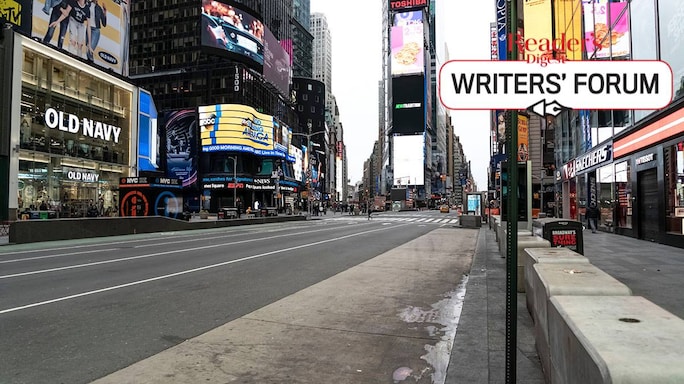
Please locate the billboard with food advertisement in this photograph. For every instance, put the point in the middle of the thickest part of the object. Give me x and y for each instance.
(406, 42)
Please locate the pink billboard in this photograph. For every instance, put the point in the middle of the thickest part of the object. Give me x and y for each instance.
(600, 39)
(406, 40)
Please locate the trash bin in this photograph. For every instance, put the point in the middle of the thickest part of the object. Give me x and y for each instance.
(560, 233)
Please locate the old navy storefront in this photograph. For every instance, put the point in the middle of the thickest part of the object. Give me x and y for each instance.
(73, 135)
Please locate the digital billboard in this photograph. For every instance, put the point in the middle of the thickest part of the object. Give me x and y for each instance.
(282, 136)
(277, 68)
(408, 104)
(409, 159)
(406, 42)
(148, 135)
(17, 13)
(599, 40)
(298, 164)
(236, 128)
(234, 31)
(407, 4)
(540, 11)
(96, 30)
(568, 26)
(180, 131)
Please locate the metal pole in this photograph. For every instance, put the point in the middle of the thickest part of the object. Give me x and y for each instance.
(234, 181)
(512, 220)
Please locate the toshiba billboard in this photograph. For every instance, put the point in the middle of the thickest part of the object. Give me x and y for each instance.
(400, 5)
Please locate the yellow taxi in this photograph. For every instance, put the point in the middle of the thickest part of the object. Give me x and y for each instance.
(444, 208)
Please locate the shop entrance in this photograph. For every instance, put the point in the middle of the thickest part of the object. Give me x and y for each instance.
(647, 183)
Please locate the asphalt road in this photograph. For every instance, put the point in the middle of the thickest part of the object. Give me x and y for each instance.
(71, 312)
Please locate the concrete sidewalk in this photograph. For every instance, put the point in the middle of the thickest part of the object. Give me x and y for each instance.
(390, 319)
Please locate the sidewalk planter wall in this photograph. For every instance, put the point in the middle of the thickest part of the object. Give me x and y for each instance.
(614, 339)
(526, 241)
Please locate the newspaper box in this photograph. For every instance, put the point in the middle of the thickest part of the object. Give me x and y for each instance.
(560, 233)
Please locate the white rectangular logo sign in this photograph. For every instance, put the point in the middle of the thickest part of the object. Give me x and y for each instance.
(548, 89)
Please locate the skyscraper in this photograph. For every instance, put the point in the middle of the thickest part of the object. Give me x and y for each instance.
(322, 59)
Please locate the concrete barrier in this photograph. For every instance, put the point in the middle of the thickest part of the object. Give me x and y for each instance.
(524, 242)
(503, 231)
(470, 221)
(532, 256)
(576, 279)
(614, 339)
(32, 231)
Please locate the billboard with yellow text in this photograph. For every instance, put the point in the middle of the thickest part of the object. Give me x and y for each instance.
(538, 27)
(567, 15)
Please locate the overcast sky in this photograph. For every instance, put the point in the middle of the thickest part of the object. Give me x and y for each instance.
(356, 70)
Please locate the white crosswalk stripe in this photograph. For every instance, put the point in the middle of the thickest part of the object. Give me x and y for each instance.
(389, 218)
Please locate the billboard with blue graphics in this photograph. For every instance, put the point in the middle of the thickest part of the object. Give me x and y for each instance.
(239, 128)
(148, 134)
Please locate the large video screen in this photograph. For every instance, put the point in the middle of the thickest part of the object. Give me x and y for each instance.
(95, 30)
(234, 31)
(277, 68)
(409, 159)
(406, 42)
(408, 104)
(237, 128)
(148, 134)
(180, 128)
(600, 40)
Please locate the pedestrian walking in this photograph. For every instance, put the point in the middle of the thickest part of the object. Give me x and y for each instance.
(592, 217)
(369, 212)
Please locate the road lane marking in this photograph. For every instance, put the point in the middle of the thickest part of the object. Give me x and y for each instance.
(58, 255)
(128, 242)
(211, 266)
(157, 236)
(40, 271)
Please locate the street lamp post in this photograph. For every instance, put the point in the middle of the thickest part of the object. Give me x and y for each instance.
(309, 150)
(234, 158)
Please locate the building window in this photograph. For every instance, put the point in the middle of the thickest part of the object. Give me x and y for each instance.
(672, 40)
(674, 187)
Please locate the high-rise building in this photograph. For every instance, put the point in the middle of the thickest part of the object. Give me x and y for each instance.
(322, 59)
(234, 64)
(408, 101)
(301, 48)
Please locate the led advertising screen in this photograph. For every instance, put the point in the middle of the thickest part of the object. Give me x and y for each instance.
(282, 136)
(298, 164)
(409, 161)
(234, 31)
(540, 11)
(96, 30)
(236, 128)
(148, 135)
(406, 41)
(180, 129)
(277, 68)
(408, 104)
(17, 13)
(568, 21)
(599, 41)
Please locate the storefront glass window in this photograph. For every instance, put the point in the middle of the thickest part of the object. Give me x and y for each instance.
(75, 142)
(623, 191)
(674, 188)
(605, 180)
(582, 196)
(644, 39)
(671, 40)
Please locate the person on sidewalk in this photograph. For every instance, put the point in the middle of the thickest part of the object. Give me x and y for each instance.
(592, 217)
(370, 211)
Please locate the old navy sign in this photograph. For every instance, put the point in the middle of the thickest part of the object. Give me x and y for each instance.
(86, 176)
(592, 159)
(396, 5)
(71, 123)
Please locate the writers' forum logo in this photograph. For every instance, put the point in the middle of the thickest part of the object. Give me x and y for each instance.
(548, 89)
